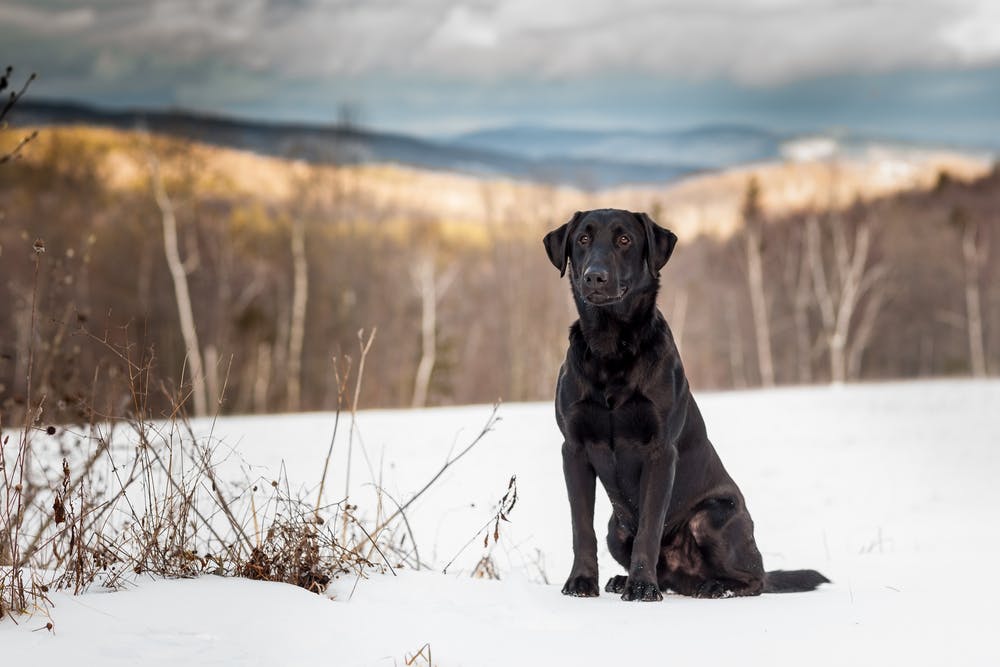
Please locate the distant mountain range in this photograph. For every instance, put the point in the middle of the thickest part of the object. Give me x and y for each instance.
(706, 147)
(589, 159)
(349, 145)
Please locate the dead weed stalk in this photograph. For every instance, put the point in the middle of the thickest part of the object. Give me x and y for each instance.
(128, 494)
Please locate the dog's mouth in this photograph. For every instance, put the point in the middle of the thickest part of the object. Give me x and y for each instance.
(601, 299)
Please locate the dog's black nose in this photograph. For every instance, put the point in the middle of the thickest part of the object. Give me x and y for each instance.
(595, 277)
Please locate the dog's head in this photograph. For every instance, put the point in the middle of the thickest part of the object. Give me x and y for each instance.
(610, 253)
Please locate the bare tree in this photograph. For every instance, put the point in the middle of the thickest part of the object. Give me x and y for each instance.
(755, 280)
(974, 254)
(297, 328)
(178, 274)
(431, 287)
(424, 275)
(840, 283)
(309, 204)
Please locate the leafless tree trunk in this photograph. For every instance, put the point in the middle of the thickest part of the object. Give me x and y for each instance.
(866, 325)
(755, 281)
(424, 274)
(300, 296)
(840, 288)
(758, 302)
(973, 257)
(431, 288)
(179, 275)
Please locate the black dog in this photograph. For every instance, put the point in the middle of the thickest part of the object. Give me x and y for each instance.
(628, 418)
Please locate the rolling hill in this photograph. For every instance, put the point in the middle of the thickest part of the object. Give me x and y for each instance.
(332, 144)
(702, 203)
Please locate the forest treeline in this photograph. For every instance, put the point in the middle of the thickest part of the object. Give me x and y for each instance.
(95, 270)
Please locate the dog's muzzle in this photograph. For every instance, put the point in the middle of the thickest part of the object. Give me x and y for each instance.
(602, 298)
(597, 289)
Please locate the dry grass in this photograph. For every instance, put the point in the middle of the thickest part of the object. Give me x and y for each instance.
(127, 494)
(420, 658)
(141, 497)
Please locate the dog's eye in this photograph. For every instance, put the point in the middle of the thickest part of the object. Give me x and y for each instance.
(624, 240)
(584, 239)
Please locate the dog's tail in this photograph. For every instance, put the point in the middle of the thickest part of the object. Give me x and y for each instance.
(793, 581)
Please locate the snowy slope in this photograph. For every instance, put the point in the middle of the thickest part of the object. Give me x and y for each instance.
(888, 489)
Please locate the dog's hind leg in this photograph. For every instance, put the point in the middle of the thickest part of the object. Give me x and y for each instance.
(733, 563)
(714, 555)
(681, 567)
(723, 531)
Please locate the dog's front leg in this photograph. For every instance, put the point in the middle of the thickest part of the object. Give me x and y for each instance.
(580, 483)
(656, 483)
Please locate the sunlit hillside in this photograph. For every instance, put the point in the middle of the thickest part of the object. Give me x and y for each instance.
(286, 261)
(704, 204)
(710, 203)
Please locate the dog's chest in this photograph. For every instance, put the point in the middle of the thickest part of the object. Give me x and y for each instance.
(611, 410)
(617, 415)
(611, 385)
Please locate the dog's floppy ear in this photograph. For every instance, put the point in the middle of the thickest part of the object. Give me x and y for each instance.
(660, 244)
(557, 243)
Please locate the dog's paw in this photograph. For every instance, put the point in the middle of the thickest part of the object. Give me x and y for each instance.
(646, 591)
(581, 587)
(713, 589)
(616, 584)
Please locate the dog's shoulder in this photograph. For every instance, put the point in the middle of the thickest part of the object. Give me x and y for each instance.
(653, 343)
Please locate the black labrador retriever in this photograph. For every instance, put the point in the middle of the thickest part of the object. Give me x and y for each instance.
(628, 418)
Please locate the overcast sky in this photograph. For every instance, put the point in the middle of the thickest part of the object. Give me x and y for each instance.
(437, 66)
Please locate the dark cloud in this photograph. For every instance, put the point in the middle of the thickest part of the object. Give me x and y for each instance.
(302, 56)
(751, 41)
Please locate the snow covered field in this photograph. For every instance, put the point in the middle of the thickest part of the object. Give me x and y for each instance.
(888, 489)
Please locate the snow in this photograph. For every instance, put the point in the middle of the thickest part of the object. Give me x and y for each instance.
(888, 489)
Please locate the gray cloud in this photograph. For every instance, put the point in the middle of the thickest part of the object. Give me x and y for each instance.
(756, 42)
(908, 67)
